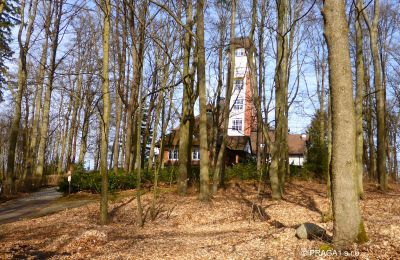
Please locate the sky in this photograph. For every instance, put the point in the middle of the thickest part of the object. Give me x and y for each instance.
(300, 112)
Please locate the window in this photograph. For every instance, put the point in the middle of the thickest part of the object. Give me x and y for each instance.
(237, 124)
(196, 154)
(238, 86)
(173, 154)
(240, 71)
(240, 52)
(238, 104)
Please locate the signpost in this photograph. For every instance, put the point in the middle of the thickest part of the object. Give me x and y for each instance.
(69, 182)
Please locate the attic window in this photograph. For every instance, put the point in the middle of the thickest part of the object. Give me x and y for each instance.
(240, 52)
(237, 124)
(173, 154)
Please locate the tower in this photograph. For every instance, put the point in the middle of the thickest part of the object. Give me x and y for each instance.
(241, 103)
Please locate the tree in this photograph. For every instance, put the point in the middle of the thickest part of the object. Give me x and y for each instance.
(201, 78)
(317, 150)
(57, 8)
(219, 167)
(186, 123)
(22, 82)
(106, 6)
(9, 12)
(348, 225)
(380, 95)
(359, 99)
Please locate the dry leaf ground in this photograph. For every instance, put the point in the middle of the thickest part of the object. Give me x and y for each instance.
(234, 225)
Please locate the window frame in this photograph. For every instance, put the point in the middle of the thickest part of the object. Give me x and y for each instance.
(236, 126)
(197, 152)
(240, 52)
(173, 154)
(238, 106)
(237, 86)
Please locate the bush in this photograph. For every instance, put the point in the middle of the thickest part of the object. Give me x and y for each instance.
(316, 165)
(91, 181)
(245, 171)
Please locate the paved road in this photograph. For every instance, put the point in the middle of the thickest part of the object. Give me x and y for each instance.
(27, 207)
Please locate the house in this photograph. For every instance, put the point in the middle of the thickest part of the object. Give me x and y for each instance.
(241, 141)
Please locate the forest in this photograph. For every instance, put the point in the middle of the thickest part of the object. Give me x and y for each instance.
(193, 129)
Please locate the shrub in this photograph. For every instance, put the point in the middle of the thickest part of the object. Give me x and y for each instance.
(91, 181)
(245, 171)
(316, 164)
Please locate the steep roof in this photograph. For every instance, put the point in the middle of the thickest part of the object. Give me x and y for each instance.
(296, 142)
(242, 42)
(237, 143)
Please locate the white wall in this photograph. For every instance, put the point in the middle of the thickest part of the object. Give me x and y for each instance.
(297, 160)
(240, 72)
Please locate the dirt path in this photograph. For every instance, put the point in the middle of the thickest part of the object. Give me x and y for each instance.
(34, 205)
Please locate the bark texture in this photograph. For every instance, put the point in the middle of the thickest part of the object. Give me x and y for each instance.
(348, 225)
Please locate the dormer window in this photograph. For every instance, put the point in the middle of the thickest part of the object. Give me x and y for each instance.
(240, 52)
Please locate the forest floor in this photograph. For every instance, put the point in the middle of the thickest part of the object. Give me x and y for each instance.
(234, 225)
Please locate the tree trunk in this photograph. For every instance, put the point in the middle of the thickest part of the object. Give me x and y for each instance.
(58, 12)
(217, 115)
(185, 144)
(22, 78)
(281, 81)
(106, 114)
(380, 95)
(201, 78)
(220, 165)
(348, 226)
(39, 94)
(359, 100)
(369, 123)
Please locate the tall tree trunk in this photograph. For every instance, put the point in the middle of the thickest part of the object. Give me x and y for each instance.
(185, 145)
(75, 106)
(22, 78)
(39, 94)
(106, 114)
(261, 84)
(58, 12)
(220, 165)
(85, 128)
(279, 159)
(201, 78)
(217, 115)
(348, 226)
(369, 122)
(380, 95)
(121, 57)
(139, 214)
(161, 96)
(64, 135)
(359, 100)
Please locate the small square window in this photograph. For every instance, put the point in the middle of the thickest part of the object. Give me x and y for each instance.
(240, 71)
(238, 104)
(240, 52)
(196, 154)
(238, 85)
(237, 124)
(173, 154)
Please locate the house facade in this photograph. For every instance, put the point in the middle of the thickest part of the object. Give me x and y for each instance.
(241, 141)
